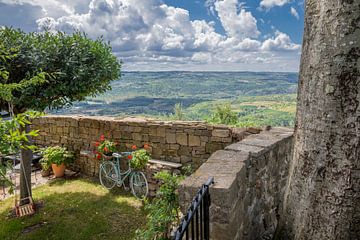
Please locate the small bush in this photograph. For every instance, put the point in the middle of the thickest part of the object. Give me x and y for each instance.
(224, 115)
(163, 211)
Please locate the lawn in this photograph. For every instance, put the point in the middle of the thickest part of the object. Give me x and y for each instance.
(75, 209)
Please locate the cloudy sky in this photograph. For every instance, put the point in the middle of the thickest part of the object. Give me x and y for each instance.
(208, 35)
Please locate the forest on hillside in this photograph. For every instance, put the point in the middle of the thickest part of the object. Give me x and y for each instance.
(252, 98)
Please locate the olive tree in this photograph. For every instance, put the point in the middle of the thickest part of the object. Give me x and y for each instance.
(48, 71)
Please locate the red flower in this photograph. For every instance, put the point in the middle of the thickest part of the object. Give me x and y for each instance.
(129, 157)
(133, 147)
(97, 144)
(146, 146)
(106, 149)
(98, 156)
(102, 137)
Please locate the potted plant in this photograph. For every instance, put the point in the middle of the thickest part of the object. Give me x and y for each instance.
(139, 158)
(45, 167)
(58, 157)
(105, 148)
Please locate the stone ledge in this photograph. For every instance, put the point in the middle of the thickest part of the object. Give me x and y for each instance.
(166, 163)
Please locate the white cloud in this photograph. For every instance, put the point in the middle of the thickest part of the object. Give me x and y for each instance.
(240, 24)
(281, 42)
(267, 4)
(294, 13)
(150, 35)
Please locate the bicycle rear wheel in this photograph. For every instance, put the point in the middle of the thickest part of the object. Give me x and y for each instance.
(108, 175)
(139, 185)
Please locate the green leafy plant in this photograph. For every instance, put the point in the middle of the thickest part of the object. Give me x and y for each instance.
(57, 155)
(187, 169)
(139, 159)
(163, 211)
(4, 179)
(45, 164)
(13, 138)
(224, 115)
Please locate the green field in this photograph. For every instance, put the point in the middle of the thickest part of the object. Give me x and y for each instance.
(256, 98)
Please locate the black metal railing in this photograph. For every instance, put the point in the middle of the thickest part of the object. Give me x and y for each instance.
(196, 222)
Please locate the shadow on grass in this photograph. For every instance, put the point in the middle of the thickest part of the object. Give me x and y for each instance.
(78, 215)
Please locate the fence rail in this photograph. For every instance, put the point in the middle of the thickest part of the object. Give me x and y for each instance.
(196, 222)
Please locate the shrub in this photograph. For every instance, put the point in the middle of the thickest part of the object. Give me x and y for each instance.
(163, 211)
(224, 115)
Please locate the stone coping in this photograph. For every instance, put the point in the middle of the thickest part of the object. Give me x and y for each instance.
(224, 165)
(134, 120)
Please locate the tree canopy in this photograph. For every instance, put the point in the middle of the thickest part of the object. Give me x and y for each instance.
(51, 70)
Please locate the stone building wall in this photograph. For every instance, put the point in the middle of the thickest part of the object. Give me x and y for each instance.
(250, 178)
(177, 141)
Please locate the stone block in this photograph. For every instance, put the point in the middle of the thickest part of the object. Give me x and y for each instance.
(137, 136)
(221, 133)
(182, 139)
(213, 146)
(194, 140)
(160, 132)
(170, 137)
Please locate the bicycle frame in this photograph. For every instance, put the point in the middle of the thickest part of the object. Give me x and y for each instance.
(121, 175)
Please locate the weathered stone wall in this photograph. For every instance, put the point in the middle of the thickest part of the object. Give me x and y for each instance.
(250, 178)
(178, 141)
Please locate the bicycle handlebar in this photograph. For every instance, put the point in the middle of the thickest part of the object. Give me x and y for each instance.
(121, 154)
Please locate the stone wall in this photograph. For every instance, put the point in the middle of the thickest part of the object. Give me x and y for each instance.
(250, 178)
(178, 141)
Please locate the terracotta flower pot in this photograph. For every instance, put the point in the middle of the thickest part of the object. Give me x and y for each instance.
(59, 170)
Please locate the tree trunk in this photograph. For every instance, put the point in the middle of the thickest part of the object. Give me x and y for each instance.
(322, 200)
(25, 169)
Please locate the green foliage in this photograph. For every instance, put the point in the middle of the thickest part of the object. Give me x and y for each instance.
(224, 115)
(187, 169)
(56, 155)
(4, 180)
(139, 159)
(13, 138)
(163, 211)
(47, 70)
(178, 112)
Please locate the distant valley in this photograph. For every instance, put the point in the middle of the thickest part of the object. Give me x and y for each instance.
(258, 98)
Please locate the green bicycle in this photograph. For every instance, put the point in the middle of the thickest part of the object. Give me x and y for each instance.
(110, 174)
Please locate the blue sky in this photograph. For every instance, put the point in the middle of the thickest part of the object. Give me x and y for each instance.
(199, 35)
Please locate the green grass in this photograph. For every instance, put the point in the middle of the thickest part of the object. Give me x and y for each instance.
(75, 209)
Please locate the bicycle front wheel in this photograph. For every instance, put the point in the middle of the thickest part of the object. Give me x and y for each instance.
(139, 185)
(108, 175)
